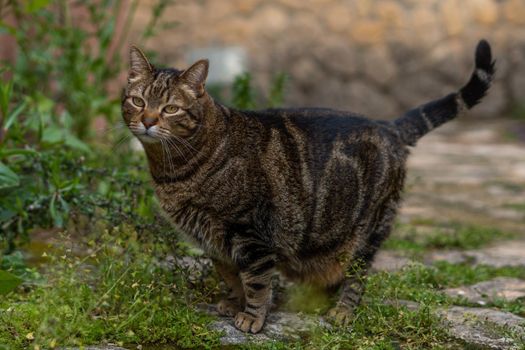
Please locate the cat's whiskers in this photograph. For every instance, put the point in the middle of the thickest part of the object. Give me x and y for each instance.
(168, 137)
(170, 142)
(182, 141)
(186, 144)
(164, 155)
(171, 163)
(168, 161)
(165, 137)
(122, 140)
(105, 130)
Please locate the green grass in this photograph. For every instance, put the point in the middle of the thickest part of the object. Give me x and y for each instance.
(450, 236)
(515, 206)
(379, 325)
(117, 293)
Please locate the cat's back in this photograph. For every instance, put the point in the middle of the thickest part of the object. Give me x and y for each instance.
(324, 126)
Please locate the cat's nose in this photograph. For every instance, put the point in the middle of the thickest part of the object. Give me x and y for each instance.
(149, 119)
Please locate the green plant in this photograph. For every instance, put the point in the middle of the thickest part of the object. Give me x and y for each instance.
(73, 63)
(244, 95)
(276, 97)
(118, 291)
(8, 282)
(58, 83)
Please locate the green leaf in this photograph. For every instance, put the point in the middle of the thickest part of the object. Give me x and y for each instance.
(8, 282)
(52, 135)
(33, 6)
(8, 178)
(14, 114)
(243, 93)
(277, 91)
(17, 152)
(75, 143)
(7, 28)
(5, 96)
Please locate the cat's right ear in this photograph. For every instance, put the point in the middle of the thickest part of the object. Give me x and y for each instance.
(139, 67)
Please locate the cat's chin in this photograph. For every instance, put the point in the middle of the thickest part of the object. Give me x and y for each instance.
(147, 139)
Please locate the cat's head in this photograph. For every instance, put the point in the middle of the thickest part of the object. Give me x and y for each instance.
(161, 104)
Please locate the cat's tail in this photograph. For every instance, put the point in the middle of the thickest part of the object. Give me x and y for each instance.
(419, 121)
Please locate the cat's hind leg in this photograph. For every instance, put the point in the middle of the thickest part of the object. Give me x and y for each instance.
(353, 285)
(351, 291)
(234, 300)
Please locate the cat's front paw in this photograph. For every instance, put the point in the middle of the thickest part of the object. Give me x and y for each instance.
(341, 315)
(248, 323)
(228, 307)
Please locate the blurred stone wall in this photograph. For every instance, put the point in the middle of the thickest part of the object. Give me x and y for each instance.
(377, 57)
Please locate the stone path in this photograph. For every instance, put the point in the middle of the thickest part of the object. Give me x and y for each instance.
(472, 174)
(477, 326)
(468, 173)
(484, 327)
(506, 253)
(279, 326)
(499, 288)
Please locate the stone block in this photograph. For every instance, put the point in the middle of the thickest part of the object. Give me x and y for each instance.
(379, 66)
(338, 17)
(246, 6)
(391, 12)
(270, 19)
(366, 99)
(515, 11)
(517, 85)
(505, 288)
(368, 31)
(337, 57)
(495, 102)
(452, 16)
(485, 12)
(422, 86)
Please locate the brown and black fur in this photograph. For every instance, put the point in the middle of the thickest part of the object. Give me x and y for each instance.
(309, 192)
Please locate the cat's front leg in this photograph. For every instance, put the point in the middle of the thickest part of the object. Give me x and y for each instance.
(257, 265)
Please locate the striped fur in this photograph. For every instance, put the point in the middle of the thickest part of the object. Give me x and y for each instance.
(311, 193)
(419, 121)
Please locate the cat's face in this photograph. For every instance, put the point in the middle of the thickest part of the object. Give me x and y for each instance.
(162, 104)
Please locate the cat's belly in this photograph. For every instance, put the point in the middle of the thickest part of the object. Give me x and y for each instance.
(323, 272)
(327, 269)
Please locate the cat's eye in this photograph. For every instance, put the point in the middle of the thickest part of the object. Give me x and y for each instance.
(137, 101)
(170, 109)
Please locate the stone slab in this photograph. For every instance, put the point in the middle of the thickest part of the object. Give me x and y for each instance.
(481, 293)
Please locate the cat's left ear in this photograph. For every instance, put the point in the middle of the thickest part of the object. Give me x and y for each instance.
(195, 76)
(139, 66)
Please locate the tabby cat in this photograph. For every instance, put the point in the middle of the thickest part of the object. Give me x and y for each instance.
(309, 192)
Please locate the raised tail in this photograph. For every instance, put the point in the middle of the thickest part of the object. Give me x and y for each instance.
(419, 121)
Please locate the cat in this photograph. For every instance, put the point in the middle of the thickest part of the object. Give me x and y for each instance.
(309, 192)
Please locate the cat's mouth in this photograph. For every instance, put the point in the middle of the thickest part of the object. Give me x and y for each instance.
(148, 135)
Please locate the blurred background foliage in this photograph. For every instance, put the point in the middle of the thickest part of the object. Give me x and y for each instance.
(56, 167)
